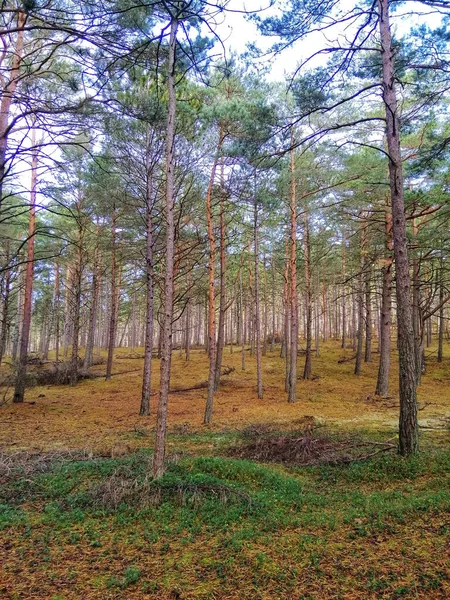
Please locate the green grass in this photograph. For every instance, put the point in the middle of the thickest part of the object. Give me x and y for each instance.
(271, 525)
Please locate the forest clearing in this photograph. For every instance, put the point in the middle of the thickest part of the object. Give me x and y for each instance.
(224, 300)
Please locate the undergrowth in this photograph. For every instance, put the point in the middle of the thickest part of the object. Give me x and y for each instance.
(218, 527)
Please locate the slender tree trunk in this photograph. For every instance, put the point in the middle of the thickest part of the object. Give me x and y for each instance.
(292, 396)
(272, 269)
(360, 298)
(242, 309)
(5, 307)
(287, 317)
(368, 347)
(113, 290)
(19, 390)
(187, 334)
(149, 313)
(440, 354)
(259, 381)
(344, 300)
(416, 310)
(89, 354)
(408, 425)
(308, 295)
(222, 304)
(266, 308)
(386, 310)
(76, 297)
(166, 349)
(211, 289)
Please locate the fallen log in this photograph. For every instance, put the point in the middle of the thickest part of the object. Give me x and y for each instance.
(344, 360)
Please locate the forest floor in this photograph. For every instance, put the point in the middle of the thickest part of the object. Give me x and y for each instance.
(273, 501)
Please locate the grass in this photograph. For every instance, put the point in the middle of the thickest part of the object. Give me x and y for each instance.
(373, 529)
(93, 524)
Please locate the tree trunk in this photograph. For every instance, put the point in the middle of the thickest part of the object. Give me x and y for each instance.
(386, 310)
(76, 297)
(89, 353)
(292, 395)
(344, 302)
(113, 313)
(187, 332)
(211, 289)
(166, 345)
(259, 382)
(408, 425)
(149, 316)
(368, 346)
(308, 296)
(242, 310)
(222, 301)
(272, 269)
(5, 307)
(19, 390)
(440, 354)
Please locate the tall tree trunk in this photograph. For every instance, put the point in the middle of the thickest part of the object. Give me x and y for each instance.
(440, 354)
(211, 289)
(242, 318)
(287, 317)
(76, 297)
(272, 270)
(292, 395)
(113, 292)
(5, 306)
(89, 354)
(360, 298)
(149, 313)
(344, 300)
(308, 295)
(416, 309)
(19, 390)
(222, 301)
(259, 382)
(386, 310)
(166, 345)
(266, 308)
(368, 347)
(187, 333)
(408, 425)
(57, 311)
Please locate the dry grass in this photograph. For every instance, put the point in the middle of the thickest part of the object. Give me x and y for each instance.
(100, 416)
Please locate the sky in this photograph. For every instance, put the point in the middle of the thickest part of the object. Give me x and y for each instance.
(236, 31)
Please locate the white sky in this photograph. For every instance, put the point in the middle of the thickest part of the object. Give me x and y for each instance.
(236, 32)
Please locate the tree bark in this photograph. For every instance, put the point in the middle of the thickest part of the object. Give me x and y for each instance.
(308, 295)
(259, 381)
(76, 296)
(440, 354)
(149, 313)
(408, 425)
(88, 356)
(386, 311)
(5, 307)
(19, 390)
(292, 394)
(222, 300)
(113, 291)
(211, 289)
(166, 333)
